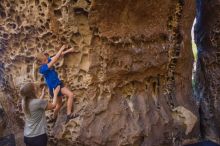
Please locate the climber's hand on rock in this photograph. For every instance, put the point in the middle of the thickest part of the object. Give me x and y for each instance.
(71, 50)
(67, 51)
(63, 47)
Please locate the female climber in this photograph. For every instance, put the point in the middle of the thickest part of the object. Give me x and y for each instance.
(53, 82)
(35, 130)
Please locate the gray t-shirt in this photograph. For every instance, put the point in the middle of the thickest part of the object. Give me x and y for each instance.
(36, 123)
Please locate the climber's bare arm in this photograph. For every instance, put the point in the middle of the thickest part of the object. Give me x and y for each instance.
(67, 51)
(56, 57)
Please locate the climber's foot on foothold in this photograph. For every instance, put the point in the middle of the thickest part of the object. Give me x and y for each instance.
(71, 116)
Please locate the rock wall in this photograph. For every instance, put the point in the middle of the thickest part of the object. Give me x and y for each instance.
(130, 71)
(207, 38)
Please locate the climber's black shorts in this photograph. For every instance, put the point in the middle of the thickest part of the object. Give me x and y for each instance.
(59, 94)
(40, 140)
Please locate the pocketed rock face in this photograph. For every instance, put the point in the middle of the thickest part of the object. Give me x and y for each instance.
(130, 71)
(207, 36)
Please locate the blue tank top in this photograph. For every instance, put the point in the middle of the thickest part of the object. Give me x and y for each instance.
(50, 76)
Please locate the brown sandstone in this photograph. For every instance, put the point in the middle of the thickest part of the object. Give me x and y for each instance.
(130, 71)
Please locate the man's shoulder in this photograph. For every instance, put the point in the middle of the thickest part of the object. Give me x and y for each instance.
(37, 101)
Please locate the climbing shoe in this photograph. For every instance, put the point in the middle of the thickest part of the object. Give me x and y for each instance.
(71, 116)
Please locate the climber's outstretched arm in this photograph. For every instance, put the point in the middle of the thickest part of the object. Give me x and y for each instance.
(56, 57)
(67, 51)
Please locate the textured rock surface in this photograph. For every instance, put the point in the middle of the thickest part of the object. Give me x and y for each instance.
(207, 32)
(130, 72)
